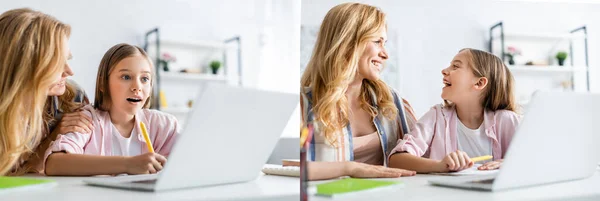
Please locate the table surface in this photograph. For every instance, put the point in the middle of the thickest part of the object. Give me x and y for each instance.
(269, 187)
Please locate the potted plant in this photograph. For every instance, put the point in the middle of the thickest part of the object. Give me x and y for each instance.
(511, 53)
(165, 59)
(561, 56)
(214, 66)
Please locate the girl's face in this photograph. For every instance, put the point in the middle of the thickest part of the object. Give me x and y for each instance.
(130, 84)
(460, 83)
(371, 61)
(58, 87)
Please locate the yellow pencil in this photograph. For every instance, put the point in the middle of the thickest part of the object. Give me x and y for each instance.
(146, 137)
(303, 135)
(481, 158)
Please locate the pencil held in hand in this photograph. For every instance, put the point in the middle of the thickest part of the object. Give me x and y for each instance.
(481, 158)
(146, 137)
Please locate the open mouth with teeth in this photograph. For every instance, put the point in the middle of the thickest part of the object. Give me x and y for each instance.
(134, 100)
(447, 84)
(376, 64)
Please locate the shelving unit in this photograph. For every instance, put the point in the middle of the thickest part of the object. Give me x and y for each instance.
(182, 84)
(497, 34)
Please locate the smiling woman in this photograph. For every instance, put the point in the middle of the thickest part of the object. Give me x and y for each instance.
(357, 117)
(33, 65)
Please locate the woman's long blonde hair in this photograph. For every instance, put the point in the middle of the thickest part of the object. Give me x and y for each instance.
(32, 55)
(499, 92)
(342, 38)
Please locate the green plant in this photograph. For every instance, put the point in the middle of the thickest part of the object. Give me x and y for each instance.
(561, 55)
(215, 65)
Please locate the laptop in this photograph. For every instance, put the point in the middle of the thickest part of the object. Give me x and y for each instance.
(228, 136)
(558, 140)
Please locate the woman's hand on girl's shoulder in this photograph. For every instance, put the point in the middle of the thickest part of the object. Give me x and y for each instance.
(362, 170)
(77, 121)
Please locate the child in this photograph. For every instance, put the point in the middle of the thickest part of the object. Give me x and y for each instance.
(116, 145)
(478, 118)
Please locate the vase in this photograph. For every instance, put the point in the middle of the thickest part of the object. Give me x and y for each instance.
(511, 61)
(561, 62)
(214, 70)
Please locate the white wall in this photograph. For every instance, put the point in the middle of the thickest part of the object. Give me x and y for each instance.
(98, 25)
(269, 32)
(431, 32)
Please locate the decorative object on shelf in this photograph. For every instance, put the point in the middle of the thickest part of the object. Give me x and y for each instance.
(214, 66)
(190, 103)
(163, 99)
(190, 70)
(511, 53)
(529, 63)
(561, 56)
(165, 59)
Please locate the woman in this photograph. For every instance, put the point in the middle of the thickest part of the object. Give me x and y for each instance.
(36, 98)
(357, 117)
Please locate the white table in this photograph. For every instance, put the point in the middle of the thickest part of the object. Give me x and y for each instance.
(270, 188)
(265, 187)
(417, 188)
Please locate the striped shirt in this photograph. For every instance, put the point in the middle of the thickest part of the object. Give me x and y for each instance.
(389, 131)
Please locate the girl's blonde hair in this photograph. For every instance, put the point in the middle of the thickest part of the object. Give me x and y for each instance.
(342, 38)
(499, 92)
(111, 58)
(32, 48)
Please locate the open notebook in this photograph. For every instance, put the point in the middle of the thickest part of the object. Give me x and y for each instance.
(20, 184)
(292, 171)
(469, 172)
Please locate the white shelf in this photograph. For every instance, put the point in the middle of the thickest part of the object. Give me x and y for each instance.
(175, 110)
(177, 76)
(193, 44)
(536, 68)
(552, 36)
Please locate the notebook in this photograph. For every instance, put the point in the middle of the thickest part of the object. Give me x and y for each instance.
(292, 171)
(469, 172)
(15, 184)
(348, 186)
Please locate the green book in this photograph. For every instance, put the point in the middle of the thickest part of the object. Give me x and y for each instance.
(353, 185)
(23, 183)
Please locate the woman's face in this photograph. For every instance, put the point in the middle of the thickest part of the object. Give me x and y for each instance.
(58, 87)
(371, 61)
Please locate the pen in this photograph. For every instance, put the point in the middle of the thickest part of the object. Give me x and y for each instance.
(146, 137)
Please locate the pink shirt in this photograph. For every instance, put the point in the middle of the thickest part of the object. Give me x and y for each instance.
(435, 134)
(162, 129)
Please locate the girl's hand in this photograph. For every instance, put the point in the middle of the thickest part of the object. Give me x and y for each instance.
(148, 163)
(492, 165)
(456, 161)
(362, 170)
(75, 122)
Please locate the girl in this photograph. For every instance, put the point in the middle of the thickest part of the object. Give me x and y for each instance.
(33, 63)
(357, 117)
(116, 145)
(478, 118)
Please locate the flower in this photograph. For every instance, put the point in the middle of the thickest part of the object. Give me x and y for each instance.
(166, 57)
(512, 51)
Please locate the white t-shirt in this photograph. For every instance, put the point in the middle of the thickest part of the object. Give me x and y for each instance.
(122, 146)
(473, 142)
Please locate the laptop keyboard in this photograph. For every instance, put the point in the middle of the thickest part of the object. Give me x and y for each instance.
(485, 181)
(149, 181)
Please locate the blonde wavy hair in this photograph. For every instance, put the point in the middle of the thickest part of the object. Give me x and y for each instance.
(499, 92)
(342, 38)
(32, 49)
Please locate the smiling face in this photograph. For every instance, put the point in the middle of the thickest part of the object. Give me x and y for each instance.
(59, 86)
(130, 84)
(371, 61)
(460, 84)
